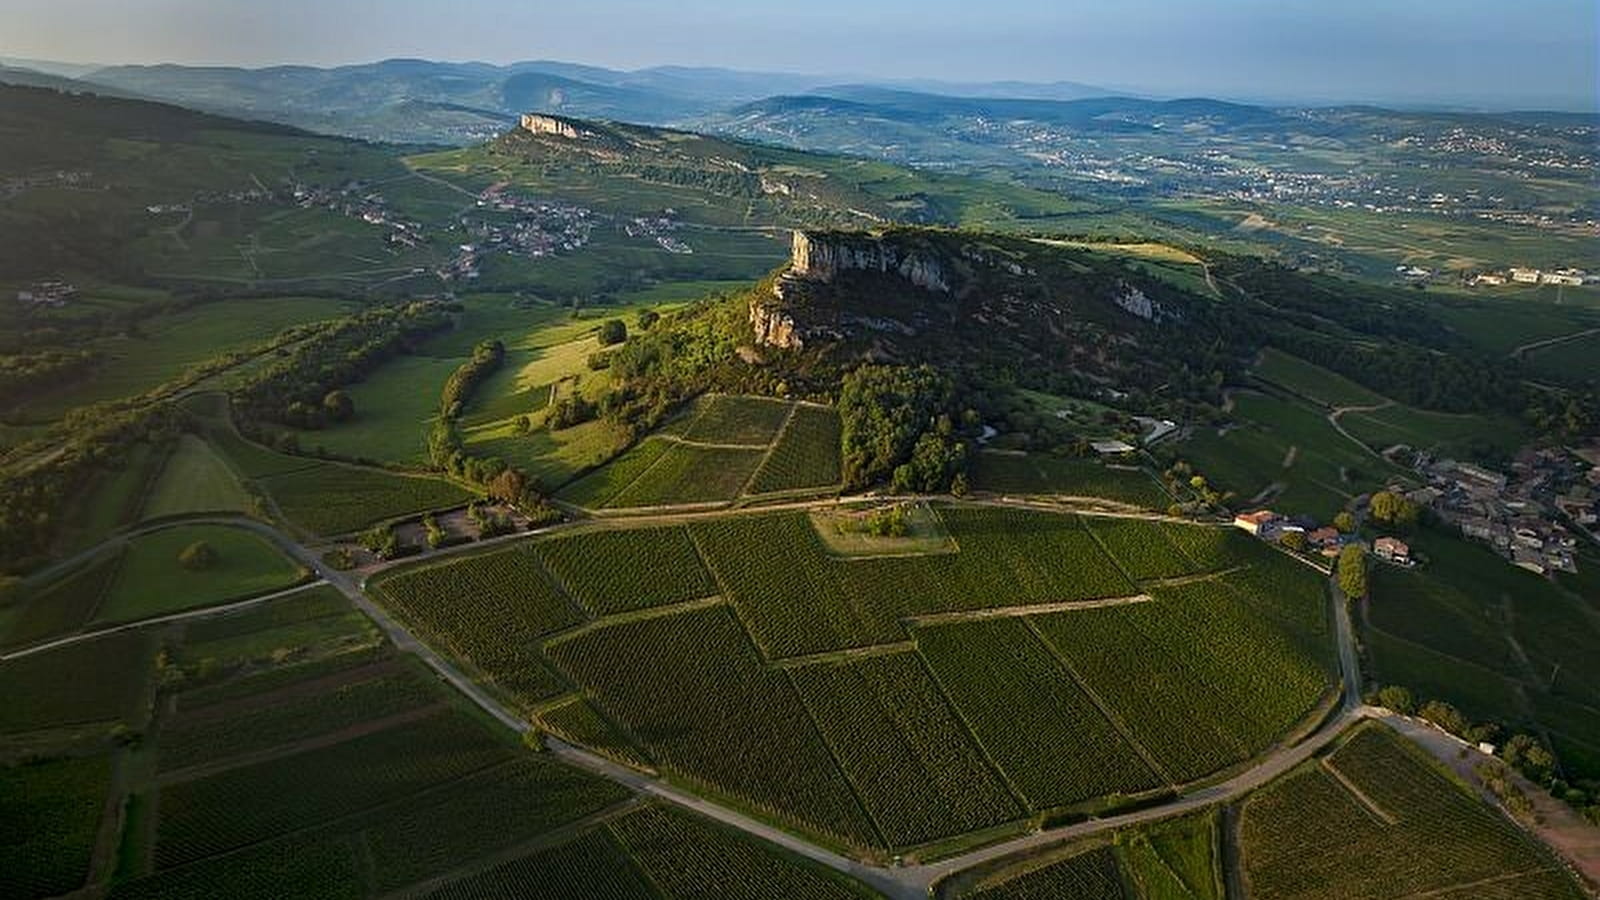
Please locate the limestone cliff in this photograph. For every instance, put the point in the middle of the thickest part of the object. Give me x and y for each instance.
(823, 257)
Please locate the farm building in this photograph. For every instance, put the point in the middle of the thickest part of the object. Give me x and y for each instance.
(1253, 522)
(1392, 550)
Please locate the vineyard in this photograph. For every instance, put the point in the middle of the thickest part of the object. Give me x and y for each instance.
(1142, 548)
(578, 722)
(489, 609)
(201, 818)
(191, 739)
(692, 690)
(722, 419)
(48, 815)
(797, 598)
(1090, 875)
(98, 680)
(806, 455)
(1015, 473)
(596, 489)
(617, 571)
(1030, 716)
(688, 474)
(591, 865)
(914, 766)
(1411, 829)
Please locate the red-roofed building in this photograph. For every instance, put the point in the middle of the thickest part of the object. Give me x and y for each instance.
(1254, 521)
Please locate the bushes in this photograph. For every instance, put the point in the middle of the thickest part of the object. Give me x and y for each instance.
(886, 412)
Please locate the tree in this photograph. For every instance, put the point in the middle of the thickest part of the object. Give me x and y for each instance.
(1353, 571)
(1345, 522)
(1294, 540)
(1444, 715)
(522, 424)
(197, 557)
(338, 406)
(510, 486)
(1526, 753)
(648, 318)
(1394, 509)
(1397, 698)
(613, 331)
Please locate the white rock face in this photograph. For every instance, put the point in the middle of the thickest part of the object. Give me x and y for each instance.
(819, 259)
(1134, 301)
(535, 123)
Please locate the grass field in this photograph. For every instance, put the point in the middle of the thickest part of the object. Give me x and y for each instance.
(395, 407)
(167, 345)
(1389, 822)
(1313, 382)
(196, 480)
(337, 499)
(151, 581)
(64, 605)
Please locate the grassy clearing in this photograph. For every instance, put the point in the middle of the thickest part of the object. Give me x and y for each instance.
(64, 605)
(152, 582)
(394, 408)
(1443, 433)
(337, 499)
(196, 480)
(1312, 381)
(844, 532)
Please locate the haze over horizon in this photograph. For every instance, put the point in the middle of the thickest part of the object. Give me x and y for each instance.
(1541, 53)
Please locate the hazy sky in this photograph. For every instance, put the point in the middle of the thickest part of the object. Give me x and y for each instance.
(1497, 52)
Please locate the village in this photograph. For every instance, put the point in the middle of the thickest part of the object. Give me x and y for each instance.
(1528, 517)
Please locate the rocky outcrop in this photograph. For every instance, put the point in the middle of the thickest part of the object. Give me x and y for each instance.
(816, 257)
(1132, 300)
(537, 123)
(774, 327)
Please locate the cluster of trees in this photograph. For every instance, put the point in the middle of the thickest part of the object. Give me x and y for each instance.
(87, 443)
(1417, 376)
(295, 390)
(26, 372)
(1392, 510)
(487, 358)
(1353, 571)
(897, 423)
(197, 557)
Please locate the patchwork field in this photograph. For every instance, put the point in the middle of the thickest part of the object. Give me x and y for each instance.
(151, 580)
(1043, 665)
(719, 449)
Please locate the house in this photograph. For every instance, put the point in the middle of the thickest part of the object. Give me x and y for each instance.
(1529, 559)
(1253, 522)
(1526, 276)
(1392, 550)
(1112, 448)
(1324, 537)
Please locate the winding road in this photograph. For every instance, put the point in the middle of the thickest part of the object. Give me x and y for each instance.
(898, 882)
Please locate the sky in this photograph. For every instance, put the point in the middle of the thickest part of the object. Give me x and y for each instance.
(1490, 53)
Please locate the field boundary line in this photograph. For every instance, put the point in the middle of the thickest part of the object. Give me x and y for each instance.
(201, 613)
(1120, 726)
(1493, 879)
(1367, 803)
(772, 447)
(1021, 612)
(333, 738)
(714, 445)
(1195, 578)
(632, 615)
(856, 793)
(527, 847)
(836, 656)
